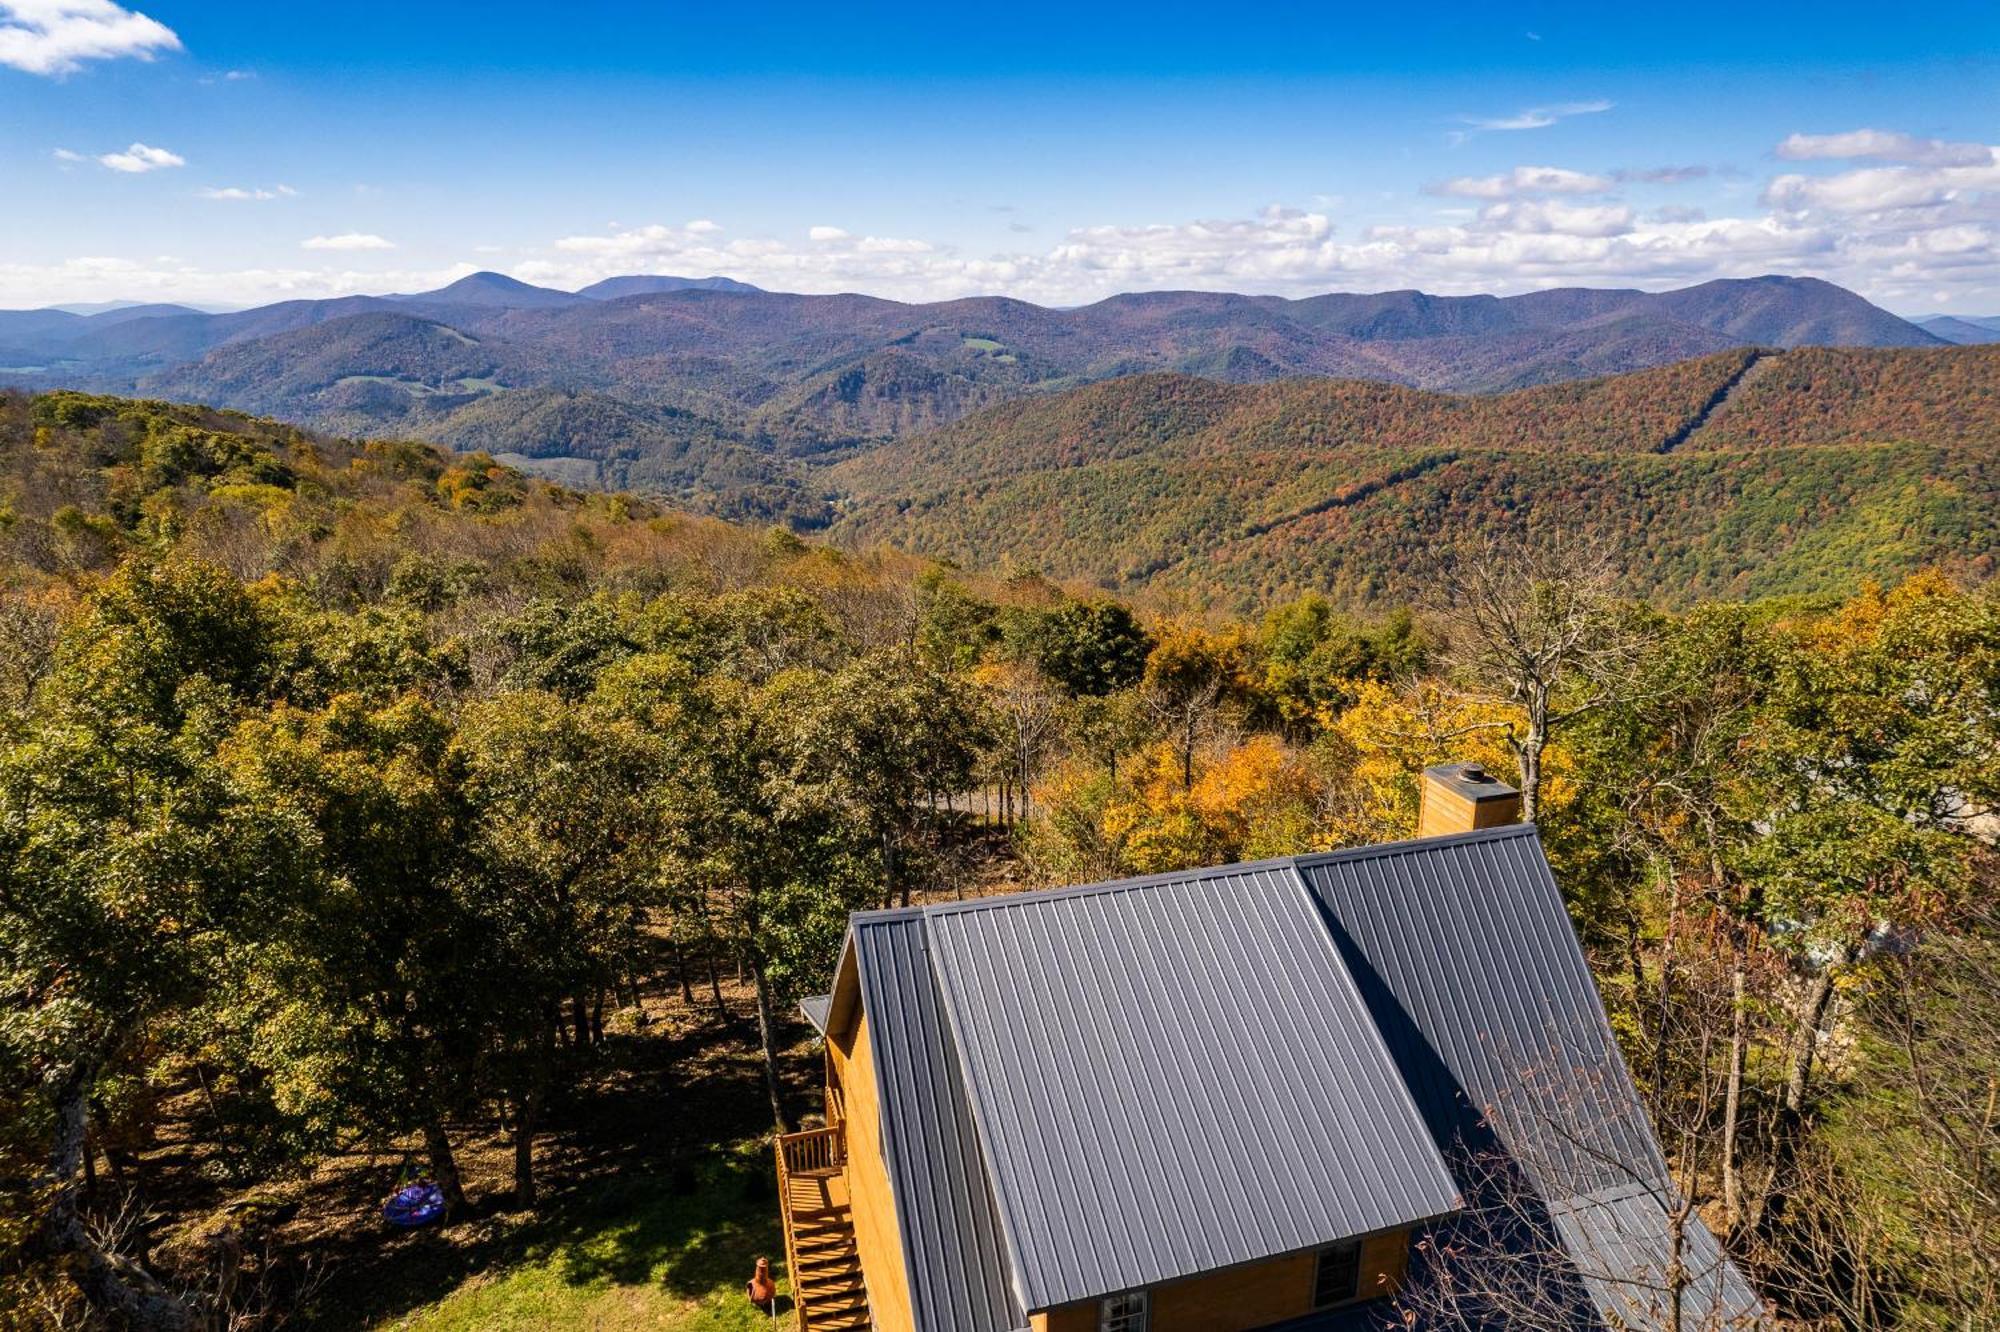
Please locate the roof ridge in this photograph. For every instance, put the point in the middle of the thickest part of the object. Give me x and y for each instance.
(1033, 895)
(1375, 850)
(1029, 896)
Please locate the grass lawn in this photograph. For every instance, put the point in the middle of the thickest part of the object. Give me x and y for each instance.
(641, 1252)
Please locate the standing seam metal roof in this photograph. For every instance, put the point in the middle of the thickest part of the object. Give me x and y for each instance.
(1057, 1125)
(1126, 1146)
(1475, 976)
(1494, 1017)
(952, 1247)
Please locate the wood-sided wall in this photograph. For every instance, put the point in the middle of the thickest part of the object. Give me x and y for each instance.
(877, 1239)
(1251, 1296)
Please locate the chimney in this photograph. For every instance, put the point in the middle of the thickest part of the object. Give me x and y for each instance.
(1459, 797)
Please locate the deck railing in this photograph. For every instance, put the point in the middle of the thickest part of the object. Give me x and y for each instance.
(819, 1151)
(813, 1154)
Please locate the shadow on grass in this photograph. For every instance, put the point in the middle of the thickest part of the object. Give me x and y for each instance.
(640, 1230)
(685, 1237)
(638, 1193)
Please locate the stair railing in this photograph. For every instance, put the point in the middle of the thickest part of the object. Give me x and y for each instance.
(813, 1154)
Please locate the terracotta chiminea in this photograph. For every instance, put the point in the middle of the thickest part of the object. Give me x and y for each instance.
(760, 1288)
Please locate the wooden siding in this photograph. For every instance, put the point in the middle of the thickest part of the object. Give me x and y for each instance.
(1444, 811)
(1251, 1296)
(876, 1236)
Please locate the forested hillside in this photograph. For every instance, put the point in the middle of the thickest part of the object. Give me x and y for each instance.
(368, 809)
(1746, 473)
(696, 376)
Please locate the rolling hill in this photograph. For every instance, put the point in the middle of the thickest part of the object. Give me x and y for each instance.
(814, 376)
(1965, 330)
(1743, 473)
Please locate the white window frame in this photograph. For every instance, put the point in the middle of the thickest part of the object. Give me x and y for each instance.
(1127, 1311)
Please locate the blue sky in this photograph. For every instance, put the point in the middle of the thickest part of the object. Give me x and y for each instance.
(231, 153)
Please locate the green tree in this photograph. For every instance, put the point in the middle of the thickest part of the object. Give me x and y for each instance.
(1311, 658)
(394, 953)
(566, 844)
(132, 872)
(1091, 648)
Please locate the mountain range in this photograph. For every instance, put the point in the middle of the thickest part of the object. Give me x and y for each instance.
(1966, 330)
(672, 383)
(1746, 473)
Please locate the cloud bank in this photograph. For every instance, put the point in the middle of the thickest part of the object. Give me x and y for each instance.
(1909, 222)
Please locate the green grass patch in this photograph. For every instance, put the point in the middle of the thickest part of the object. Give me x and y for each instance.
(628, 1252)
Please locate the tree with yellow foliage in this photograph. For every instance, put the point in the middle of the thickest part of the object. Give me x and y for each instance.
(1376, 751)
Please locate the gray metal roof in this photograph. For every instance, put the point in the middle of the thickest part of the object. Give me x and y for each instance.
(1059, 1123)
(1473, 973)
(816, 1007)
(1475, 977)
(952, 1246)
(1172, 1076)
(1618, 1240)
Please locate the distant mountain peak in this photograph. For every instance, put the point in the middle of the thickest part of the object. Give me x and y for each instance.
(648, 284)
(489, 288)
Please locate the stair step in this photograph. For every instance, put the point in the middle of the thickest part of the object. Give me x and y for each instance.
(830, 1275)
(826, 1252)
(830, 1279)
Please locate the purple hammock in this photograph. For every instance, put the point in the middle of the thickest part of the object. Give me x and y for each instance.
(414, 1205)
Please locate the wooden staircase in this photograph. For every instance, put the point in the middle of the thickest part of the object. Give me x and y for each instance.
(820, 1254)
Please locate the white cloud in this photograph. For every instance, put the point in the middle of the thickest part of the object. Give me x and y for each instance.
(57, 36)
(824, 234)
(1897, 232)
(347, 240)
(892, 245)
(141, 158)
(1550, 217)
(1883, 146)
(163, 278)
(1665, 175)
(641, 242)
(65, 155)
(237, 194)
(1882, 188)
(1524, 180)
(1537, 117)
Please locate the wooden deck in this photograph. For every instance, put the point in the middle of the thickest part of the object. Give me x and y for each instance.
(820, 1254)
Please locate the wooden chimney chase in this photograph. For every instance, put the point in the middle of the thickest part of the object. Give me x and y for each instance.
(1462, 797)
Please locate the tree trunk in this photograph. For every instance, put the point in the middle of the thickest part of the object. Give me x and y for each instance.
(524, 1150)
(722, 1014)
(1529, 754)
(1732, 1100)
(1677, 1273)
(767, 1038)
(118, 1289)
(1805, 1045)
(444, 1164)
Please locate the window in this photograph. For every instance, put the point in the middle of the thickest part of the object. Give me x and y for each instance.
(1122, 1313)
(1337, 1279)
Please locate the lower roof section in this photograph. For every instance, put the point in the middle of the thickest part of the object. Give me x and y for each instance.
(952, 1245)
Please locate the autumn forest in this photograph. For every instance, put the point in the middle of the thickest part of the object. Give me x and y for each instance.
(367, 806)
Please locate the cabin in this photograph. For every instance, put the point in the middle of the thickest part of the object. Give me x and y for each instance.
(1255, 1096)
